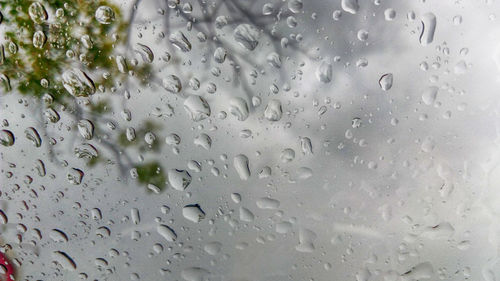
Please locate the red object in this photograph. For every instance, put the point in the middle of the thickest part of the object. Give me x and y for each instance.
(9, 275)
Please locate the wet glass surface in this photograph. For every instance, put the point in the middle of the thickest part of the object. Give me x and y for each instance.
(249, 140)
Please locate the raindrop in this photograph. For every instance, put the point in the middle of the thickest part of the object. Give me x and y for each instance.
(193, 213)
(295, 6)
(37, 12)
(75, 176)
(220, 55)
(212, 248)
(287, 155)
(179, 40)
(178, 179)
(203, 140)
(273, 110)
(86, 129)
(39, 39)
(64, 260)
(239, 108)
(324, 72)
(429, 95)
(385, 81)
(350, 6)
(32, 135)
(105, 15)
(77, 83)
(145, 53)
(85, 151)
(306, 145)
(197, 108)
(428, 28)
(268, 203)
(241, 166)
(247, 36)
(172, 84)
(166, 232)
(7, 138)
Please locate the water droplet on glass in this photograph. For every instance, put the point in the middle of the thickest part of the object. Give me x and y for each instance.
(274, 59)
(241, 166)
(121, 64)
(295, 6)
(273, 110)
(324, 72)
(267, 9)
(32, 135)
(166, 232)
(178, 179)
(37, 12)
(267, 203)
(197, 108)
(350, 6)
(203, 140)
(194, 274)
(179, 40)
(220, 55)
(75, 176)
(385, 81)
(145, 53)
(7, 138)
(77, 83)
(389, 14)
(86, 129)
(212, 248)
(429, 95)
(39, 39)
(306, 145)
(64, 260)
(428, 28)
(247, 35)
(193, 213)
(85, 151)
(105, 15)
(172, 83)
(239, 108)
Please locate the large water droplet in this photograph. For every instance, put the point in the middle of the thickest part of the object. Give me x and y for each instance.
(247, 35)
(86, 129)
(429, 95)
(39, 39)
(166, 232)
(324, 72)
(428, 28)
(32, 135)
(37, 12)
(75, 176)
(172, 83)
(7, 138)
(350, 6)
(197, 108)
(105, 15)
(179, 40)
(385, 81)
(77, 83)
(145, 52)
(273, 110)
(64, 260)
(193, 213)
(239, 108)
(241, 166)
(178, 179)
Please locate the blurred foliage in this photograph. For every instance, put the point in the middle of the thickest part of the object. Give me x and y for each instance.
(72, 38)
(151, 173)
